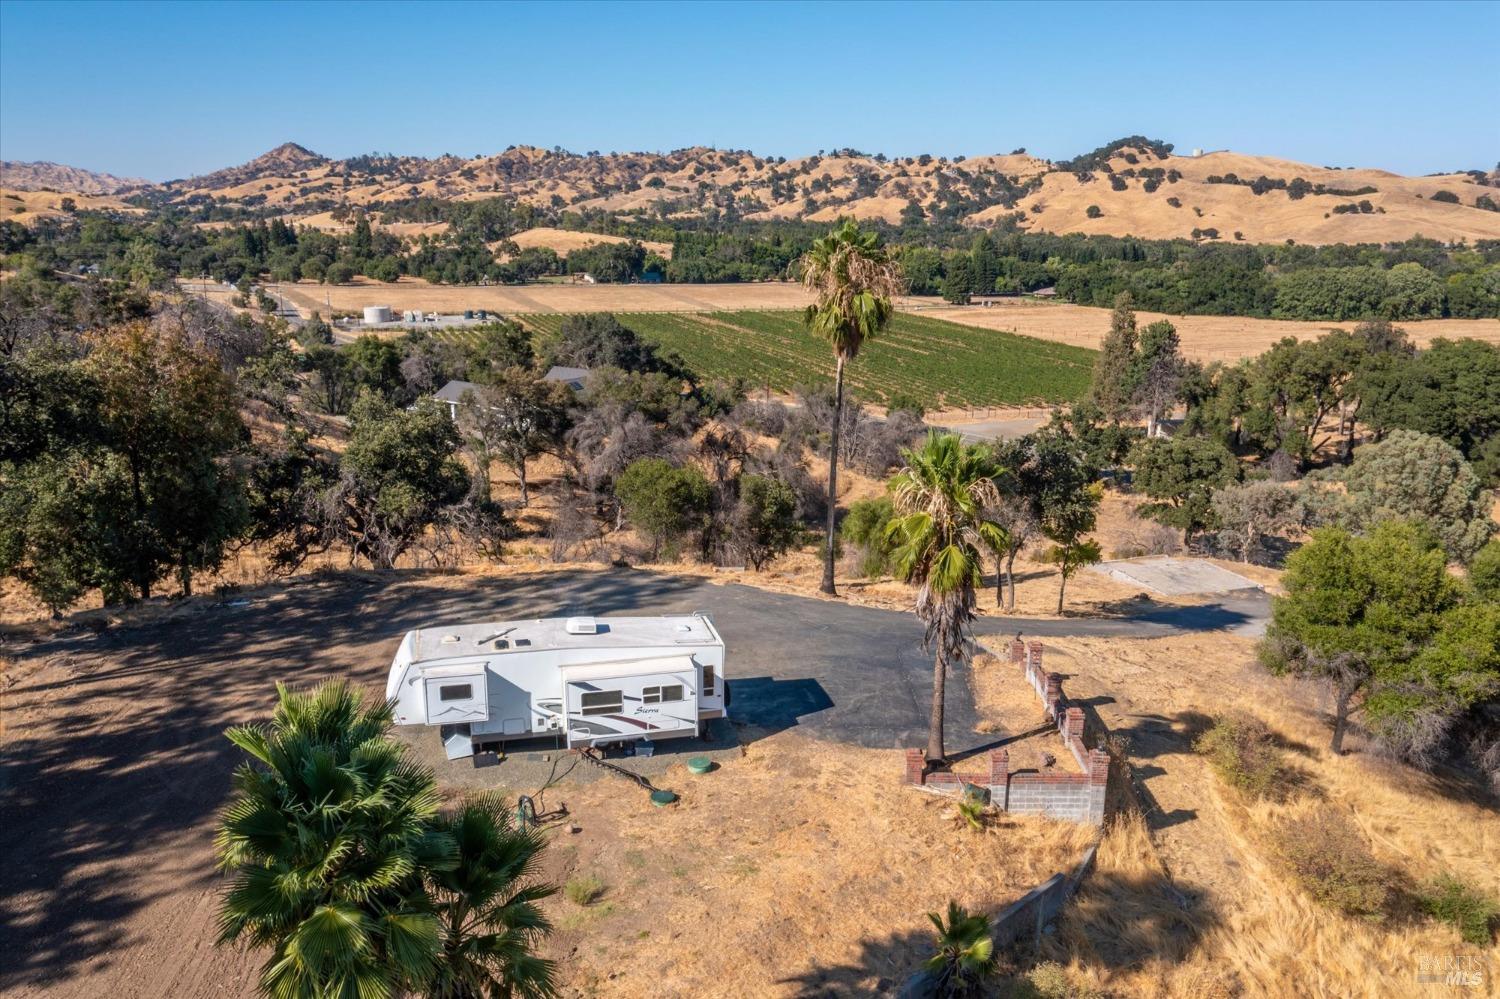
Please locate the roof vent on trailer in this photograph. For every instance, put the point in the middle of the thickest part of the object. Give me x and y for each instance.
(582, 626)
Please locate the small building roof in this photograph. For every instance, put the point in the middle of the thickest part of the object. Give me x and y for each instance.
(453, 391)
(1048, 292)
(572, 377)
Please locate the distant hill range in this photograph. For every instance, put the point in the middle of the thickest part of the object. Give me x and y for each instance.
(43, 176)
(1134, 186)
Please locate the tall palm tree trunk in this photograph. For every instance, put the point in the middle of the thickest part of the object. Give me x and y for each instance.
(935, 752)
(833, 478)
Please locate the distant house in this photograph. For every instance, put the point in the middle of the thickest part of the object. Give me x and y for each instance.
(452, 394)
(1048, 292)
(573, 378)
(1166, 429)
(987, 299)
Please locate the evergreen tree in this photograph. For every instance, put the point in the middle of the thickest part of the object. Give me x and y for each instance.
(1117, 370)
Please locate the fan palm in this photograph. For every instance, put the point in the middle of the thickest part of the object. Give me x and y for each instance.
(488, 906)
(938, 536)
(852, 278)
(326, 837)
(966, 951)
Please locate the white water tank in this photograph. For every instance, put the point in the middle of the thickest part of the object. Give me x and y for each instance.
(377, 314)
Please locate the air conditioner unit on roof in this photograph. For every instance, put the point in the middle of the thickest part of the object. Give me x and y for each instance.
(582, 626)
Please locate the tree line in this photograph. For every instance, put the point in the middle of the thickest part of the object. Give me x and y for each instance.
(1416, 279)
(1365, 462)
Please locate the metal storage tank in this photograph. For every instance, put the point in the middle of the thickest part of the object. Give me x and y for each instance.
(377, 314)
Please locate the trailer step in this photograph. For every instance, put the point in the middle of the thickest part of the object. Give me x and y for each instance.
(458, 744)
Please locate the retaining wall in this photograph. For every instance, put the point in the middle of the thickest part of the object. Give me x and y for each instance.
(1025, 917)
(1079, 797)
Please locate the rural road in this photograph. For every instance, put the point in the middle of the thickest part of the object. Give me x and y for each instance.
(114, 764)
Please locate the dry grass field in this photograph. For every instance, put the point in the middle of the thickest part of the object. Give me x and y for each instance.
(1250, 931)
(802, 868)
(565, 241)
(414, 293)
(28, 206)
(1204, 338)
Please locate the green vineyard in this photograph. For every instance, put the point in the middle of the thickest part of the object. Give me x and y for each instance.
(944, 364)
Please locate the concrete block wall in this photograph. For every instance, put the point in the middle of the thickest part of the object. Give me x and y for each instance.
(1079, 797)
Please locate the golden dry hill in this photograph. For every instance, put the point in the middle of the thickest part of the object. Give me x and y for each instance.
(1133, 187)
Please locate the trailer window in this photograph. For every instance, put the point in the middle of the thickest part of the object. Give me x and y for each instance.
(650, 695)
(602, 702)
(455, 692)
(672, 693)
(708, 681)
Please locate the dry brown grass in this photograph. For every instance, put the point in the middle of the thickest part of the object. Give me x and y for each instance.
(26, 207)
(804, 863)
(1247, 928)
(565, 241)
(616, 184)
(414, 293)
(1204, 338)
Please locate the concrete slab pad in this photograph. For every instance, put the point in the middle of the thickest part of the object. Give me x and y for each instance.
(1175, 577)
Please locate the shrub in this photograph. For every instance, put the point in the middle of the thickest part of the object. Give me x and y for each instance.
(1049, 980)
(1484, 571)
(1094, 211)
(902, 402)
(1243, 752)
(583, 889)
(1470, 911)
(1324, 853)
(864, 528)
(665, 502)
(1446, 196)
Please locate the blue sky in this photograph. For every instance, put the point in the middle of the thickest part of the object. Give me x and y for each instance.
(164, 91)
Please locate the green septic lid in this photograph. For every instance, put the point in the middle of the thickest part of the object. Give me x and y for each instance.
(662, 798)
(700, 764)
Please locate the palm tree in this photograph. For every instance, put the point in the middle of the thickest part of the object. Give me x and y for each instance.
(941, 528)
(966, 951)
(326, 836)
(488, 907)
(853, 279)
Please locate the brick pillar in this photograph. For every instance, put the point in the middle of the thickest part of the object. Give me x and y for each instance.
(1035, 658)
(1017, 651)
(1098, 784)
(916, 766)
(999, 766)
(1053, 697)
(1073, 724)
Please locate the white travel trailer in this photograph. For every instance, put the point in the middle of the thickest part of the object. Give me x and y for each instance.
(581, 679)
